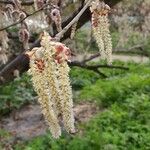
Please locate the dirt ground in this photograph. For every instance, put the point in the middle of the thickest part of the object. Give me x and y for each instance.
(28, 122)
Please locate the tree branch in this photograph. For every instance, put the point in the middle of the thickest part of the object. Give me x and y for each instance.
(21, 62)
(95, 68)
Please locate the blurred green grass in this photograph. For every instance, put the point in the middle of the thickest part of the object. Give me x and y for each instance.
(124, 123)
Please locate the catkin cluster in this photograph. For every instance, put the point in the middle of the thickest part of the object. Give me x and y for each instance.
(3, 38)
(15, 13)
(49, 71)
(52, 12)
(100, 26)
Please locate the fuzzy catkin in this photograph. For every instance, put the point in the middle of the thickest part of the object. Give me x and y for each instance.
(4, 39)
(97, 32)
(66, 93)
(51, 72)
(41, 87)
(107, 40)
(38, 4)
(3, 47)
(73, 30)
(56, 17)
(100, 27)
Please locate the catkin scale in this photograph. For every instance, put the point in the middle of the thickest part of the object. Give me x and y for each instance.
(56, 17)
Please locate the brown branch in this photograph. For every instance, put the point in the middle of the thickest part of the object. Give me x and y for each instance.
(110, 67)
(96, 68)
(136, 49)
(91, 58)
(84, 66)
(139, 46)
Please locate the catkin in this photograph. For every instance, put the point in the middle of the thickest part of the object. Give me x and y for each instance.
(73, 30)
(100, 27)
(3, 47)
(66, 92)
(51, 75)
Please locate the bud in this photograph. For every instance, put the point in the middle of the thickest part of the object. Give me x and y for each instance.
(24, 37)
(56, 17)
(38, 4)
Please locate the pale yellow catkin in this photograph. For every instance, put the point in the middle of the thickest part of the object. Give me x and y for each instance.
(66, 94)
(73, 30)
(51, 75)
(107, 40)
(41, 87)
(97, 32)
(100, 27)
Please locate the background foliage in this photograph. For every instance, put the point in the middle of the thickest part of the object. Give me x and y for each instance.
(123, 119)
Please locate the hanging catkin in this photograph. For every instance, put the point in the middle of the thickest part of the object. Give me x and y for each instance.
(67, 104)
(100, 26)
(73, 30)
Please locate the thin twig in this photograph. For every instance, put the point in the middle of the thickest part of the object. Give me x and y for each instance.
(91, 58)
(60, 34)
(95, 68)
(80, 64)
(28, 3)
(110, 67)
(28, 15)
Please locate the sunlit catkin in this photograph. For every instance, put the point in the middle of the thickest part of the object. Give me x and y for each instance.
(62, 55)
(66, 93)
(100, 26)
